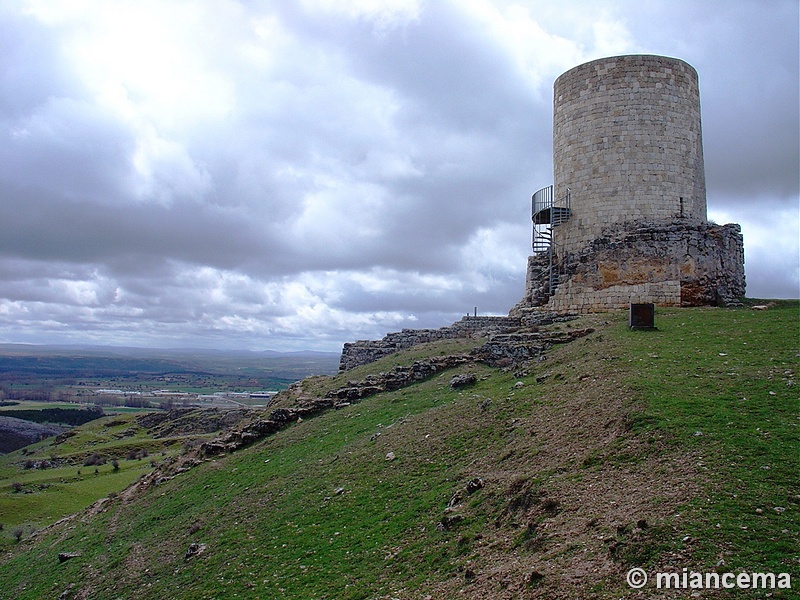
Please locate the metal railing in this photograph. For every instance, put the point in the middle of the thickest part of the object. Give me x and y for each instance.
(541, 200)
(546, 213)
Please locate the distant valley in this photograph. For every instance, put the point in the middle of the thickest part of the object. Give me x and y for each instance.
(54, 383)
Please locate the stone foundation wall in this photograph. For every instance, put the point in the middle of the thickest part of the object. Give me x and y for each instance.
(678, 264)
(575, 298)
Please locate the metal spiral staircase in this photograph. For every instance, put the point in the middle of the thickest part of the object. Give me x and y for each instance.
(547, 214)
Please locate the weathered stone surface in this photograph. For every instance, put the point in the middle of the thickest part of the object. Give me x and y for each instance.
(398, 377)
(449, 521)
(463, 380)
(65, 556)
(674, 264)
(473, 485)
(193, 550)
(627, 145)
(521, 347)
(364, 352)
(185, 421)
(514, 347)
(628, 167)
(251, 432)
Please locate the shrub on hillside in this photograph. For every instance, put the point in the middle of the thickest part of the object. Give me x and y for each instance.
(18, 532)
(93, 460)
(136, 454)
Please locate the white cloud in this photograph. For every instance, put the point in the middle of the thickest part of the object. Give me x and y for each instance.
(301, 174)
(384, 12)
(771, 248)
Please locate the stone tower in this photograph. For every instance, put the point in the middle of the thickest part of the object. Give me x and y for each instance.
(625, 220)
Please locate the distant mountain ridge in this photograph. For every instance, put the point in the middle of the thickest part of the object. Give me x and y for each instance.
(37, 349)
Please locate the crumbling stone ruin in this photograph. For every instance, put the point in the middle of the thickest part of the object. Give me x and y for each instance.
(625, 220)
(502, 349)
(364, 352)
(669, 265)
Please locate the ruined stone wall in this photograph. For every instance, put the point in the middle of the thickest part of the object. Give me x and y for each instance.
(364, 352)
(669, 265)
(627, 143)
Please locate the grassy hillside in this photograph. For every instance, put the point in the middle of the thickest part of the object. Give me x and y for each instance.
(669, 449)
(61, 475)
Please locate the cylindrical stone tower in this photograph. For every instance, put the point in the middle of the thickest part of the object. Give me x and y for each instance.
(627, 146)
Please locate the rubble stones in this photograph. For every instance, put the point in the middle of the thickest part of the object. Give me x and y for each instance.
(364, 352)
(194, 550)
(520, 347)
(473, 485)
(187, 421)
(463, 380)
(398, 377)
(449, 521)
(513, 347)
(253, 431)
(65, 556)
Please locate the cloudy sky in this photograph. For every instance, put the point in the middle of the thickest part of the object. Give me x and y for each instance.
(296, 174)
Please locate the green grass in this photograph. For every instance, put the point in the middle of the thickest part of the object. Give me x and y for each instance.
(49, 495)
(722, 385)
(317, 511)
(33, 498)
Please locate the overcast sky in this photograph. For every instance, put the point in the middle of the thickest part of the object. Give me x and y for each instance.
(297, 174)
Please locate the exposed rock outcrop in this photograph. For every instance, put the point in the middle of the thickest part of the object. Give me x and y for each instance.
(188, 421)
(398, 377)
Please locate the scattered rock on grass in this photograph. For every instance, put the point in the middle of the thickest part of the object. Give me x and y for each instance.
(462, 380)
(65, 556)
(194, 550)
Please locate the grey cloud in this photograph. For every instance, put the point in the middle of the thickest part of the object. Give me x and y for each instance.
(69, 148)
(344, 190)
(746, 57)
(31, 70)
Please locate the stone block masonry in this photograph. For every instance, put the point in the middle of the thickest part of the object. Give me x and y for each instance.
(628, 169)
(627, 143)
(669, 265)
(629, 183)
